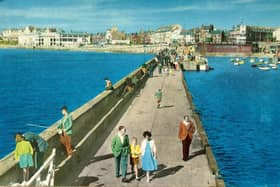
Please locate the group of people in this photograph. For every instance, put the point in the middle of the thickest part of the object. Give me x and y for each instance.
(167, 61)
(29, 152)
(31, 148)
(146, 152)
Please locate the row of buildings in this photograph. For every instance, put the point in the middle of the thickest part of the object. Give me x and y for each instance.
(171, 34)
(46, 37)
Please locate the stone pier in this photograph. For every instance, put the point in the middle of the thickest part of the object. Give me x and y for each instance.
(143, 115)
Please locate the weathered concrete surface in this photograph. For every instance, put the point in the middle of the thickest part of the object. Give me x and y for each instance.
(143, 115)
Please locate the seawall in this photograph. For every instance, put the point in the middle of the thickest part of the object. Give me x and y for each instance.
(204, 139)
(137, 49)
(92, 123)
(257, 55)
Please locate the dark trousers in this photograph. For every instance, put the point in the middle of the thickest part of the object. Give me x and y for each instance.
(121, 163)
(38, 159)
(186, 147)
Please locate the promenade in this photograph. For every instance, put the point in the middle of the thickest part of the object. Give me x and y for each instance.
(163, 122)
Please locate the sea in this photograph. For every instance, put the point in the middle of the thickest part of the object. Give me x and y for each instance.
(35, 84)
(239, 108)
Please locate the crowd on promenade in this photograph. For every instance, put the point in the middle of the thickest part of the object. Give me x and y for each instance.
(168, 61)
(31, 148)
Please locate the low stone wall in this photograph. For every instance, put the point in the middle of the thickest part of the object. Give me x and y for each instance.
(92, 123)
(204, 139)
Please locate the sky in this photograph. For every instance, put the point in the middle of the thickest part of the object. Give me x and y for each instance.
(135, 15)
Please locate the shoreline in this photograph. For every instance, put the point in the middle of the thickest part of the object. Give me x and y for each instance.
(133, 49)
(254, 55)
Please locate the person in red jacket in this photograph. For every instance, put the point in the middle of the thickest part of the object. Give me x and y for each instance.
(186, 131)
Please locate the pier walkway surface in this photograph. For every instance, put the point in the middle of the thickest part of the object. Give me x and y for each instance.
(163, 122)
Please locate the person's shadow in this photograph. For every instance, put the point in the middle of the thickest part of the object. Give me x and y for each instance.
(196, 153)
(100, 158)
(85, 181)
(167, 171)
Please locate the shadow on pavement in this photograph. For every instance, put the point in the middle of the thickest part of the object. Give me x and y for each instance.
(142, 174)
(85, 181)
(167, 171)
(194, 154)
(161, 167)
(100, 158)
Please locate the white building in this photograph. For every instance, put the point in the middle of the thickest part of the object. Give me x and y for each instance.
(276, 34)
(188, 37)
(13, 34)
(53, 38)
(166, 34)
(108, 36)
(238, 35)
(120, 42)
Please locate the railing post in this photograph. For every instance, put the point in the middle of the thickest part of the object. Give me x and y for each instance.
(50, 175)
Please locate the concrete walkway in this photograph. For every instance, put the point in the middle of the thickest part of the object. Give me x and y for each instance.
(163, 122)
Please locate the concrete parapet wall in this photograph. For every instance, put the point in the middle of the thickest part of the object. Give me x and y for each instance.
(204, 139)
(92, 123)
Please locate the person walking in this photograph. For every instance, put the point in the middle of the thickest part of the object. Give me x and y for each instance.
(23, 153)
(149, 154)
(120, 148)
(158, 95)
(186, 131)
(65, 130)
(135, 153)
(39, 145)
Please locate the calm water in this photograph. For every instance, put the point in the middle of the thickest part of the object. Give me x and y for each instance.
(240, 109)
(35, 84)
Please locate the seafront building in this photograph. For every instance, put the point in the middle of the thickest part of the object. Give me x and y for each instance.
(238, 35)
(45, 37)
(241, 38)
(114, 36)
(276, 34)
(11, 34)
(188, 37)
(54, 38)
(246, 34)
(166, 34)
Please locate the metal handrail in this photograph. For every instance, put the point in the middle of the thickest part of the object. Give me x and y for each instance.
(50, 175)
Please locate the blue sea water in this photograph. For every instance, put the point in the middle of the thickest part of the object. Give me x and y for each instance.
(35, 84)
(240, 108)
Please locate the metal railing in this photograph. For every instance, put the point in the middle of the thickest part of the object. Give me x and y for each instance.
(36, 178)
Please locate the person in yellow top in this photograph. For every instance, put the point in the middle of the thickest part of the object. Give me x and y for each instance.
(135, 153)
(23, 154)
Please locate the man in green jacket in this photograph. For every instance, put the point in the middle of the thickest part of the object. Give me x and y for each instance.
(120, 149)
(65, 130)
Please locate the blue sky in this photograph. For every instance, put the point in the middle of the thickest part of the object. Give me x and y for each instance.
(134, 15)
